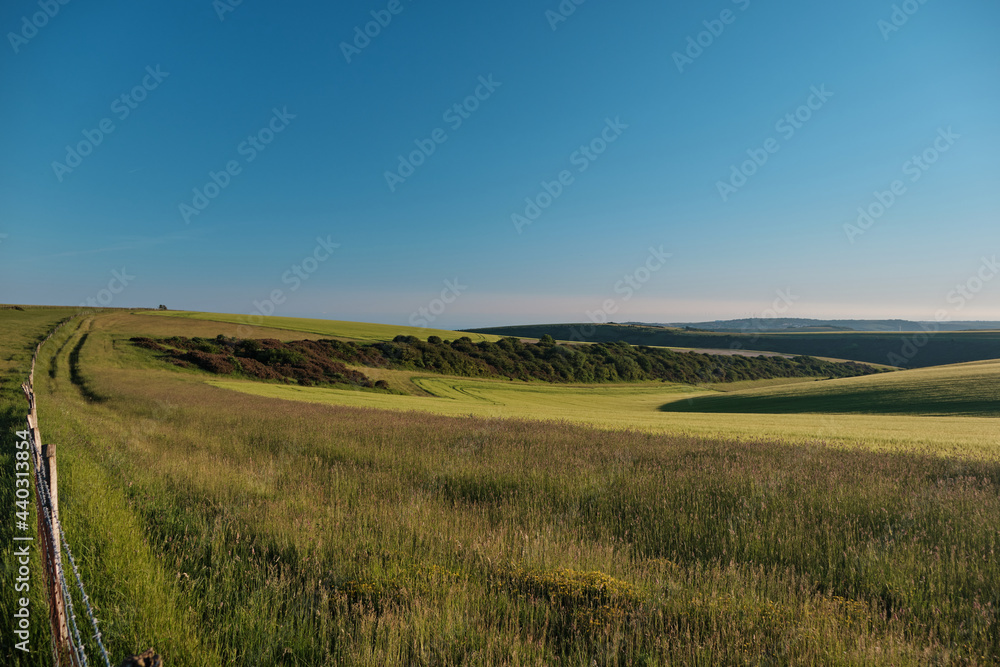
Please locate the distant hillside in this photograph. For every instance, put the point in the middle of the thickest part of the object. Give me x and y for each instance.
(758, 324)
(912, 350)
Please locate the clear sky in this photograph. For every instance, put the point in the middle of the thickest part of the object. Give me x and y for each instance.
(654, 161)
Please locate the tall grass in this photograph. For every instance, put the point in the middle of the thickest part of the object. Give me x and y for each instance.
(20, 330)
(236, 529)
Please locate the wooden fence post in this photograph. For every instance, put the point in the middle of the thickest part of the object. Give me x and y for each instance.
(49, 542)
(49, 536)
(60, 622)
(49, 452)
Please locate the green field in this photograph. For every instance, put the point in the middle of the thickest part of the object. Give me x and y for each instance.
(645, 408)
(20, 331)
(517, 523)
(917, 349)
(359, 331)
(962, 390)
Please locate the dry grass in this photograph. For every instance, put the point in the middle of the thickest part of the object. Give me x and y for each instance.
(227, 528)
(20, 331)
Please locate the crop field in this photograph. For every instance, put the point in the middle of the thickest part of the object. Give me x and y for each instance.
(643, 408)
(969, 389)
(487, 522)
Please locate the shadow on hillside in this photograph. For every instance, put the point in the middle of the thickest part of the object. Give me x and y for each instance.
(883, 402)
(75, 375)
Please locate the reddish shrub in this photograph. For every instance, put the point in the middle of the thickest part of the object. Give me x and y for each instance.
(148, 343)
(213, 363)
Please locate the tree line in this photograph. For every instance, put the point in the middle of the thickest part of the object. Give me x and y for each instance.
(324, 361)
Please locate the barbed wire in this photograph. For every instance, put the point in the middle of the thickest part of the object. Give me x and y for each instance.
(72, 620)
(42, 491)
(85, 598)
(79, 583)
(42, 488)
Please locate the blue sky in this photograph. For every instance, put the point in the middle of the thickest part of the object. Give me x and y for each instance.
(663, 120)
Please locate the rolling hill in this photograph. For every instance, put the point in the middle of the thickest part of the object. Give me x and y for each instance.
(911, 350)
(969, 390)
(229, 521)
(361, 331)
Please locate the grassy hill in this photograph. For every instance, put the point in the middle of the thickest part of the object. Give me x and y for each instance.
(20, 330)
(914, 350)
(970, 389)
(361, 331)
(522, 523)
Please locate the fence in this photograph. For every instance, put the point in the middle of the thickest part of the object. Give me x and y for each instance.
(67, 642)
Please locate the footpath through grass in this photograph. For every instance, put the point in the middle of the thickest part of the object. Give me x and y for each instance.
(226, 528)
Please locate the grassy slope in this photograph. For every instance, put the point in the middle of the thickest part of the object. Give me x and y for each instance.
(944, 348)
(134, 597)
(331, 328)
(965, 389)
(637, 407)
(227, 528)
(275, 532)
(617, 407)
(20, 331)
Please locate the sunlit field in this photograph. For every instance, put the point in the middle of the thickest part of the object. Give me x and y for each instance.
(488, 522)
(328, 328)
(969, 389)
